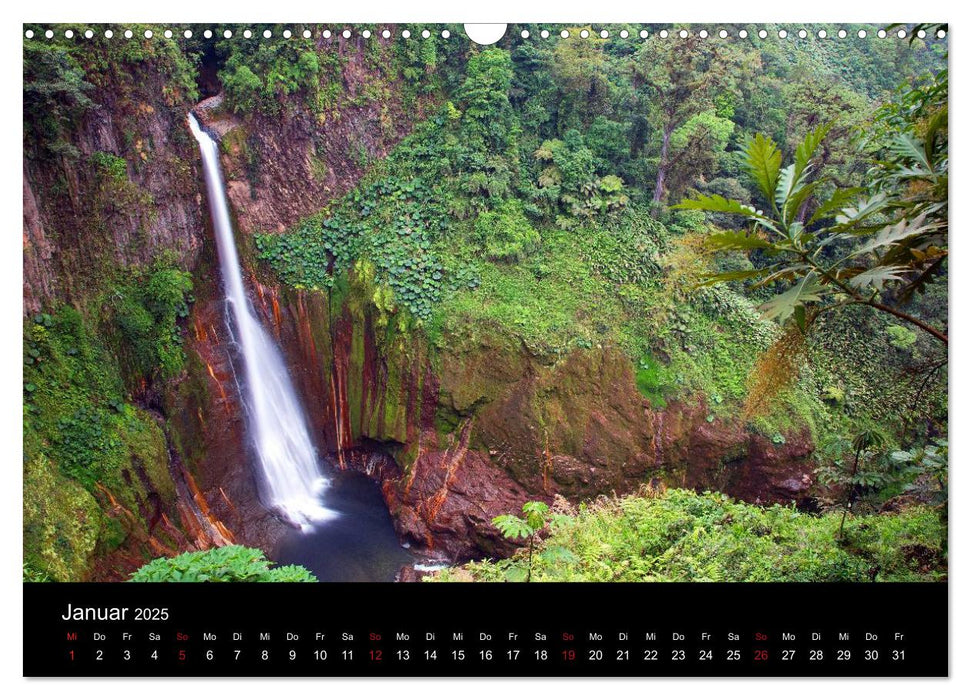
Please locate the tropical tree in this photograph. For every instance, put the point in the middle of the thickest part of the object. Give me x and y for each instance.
(676, 81)
(852, 247)
(864, 471)
(536, 518)
(579, 70)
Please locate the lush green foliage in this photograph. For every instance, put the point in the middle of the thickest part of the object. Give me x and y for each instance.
(261, 75)
(684, 536)
(85, 438)
(145, 312)
(232, 563)
(541, 227)
(854, 246)
(506, 235)
(536, 518)
(65, 78)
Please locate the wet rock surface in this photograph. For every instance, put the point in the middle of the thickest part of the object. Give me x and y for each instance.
(490, 427)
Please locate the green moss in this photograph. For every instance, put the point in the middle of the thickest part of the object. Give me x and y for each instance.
(648, 380)
(79, 423)
(62, 523)
(148, 451)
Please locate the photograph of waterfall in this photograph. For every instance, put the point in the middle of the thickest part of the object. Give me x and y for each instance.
(613, 303)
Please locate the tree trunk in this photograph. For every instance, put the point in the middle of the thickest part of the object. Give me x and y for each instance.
(529, 566)
(662, 165)
(850, 495)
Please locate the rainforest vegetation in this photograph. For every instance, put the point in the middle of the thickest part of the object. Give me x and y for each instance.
(758, 226)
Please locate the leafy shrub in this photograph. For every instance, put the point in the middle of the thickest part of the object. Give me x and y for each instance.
(232, 563)
(112, 166)
(243, 89)
(536, 519)
(901, 338)
(56, 94)
(505, 234)
(259, 76)
(146, 313)
(684, 536)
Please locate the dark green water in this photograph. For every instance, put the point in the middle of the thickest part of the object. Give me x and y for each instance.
(359, 544)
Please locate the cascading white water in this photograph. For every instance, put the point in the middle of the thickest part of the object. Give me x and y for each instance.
(291, 481)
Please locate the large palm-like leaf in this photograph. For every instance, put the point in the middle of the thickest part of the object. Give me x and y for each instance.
(782, 306)
(799, 242)
(763, 160)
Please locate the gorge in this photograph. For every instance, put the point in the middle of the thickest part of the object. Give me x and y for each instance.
(409, 287)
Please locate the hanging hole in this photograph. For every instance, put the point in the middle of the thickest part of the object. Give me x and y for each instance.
(486, 34)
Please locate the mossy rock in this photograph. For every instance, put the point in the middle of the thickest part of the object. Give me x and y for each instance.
(62, 522)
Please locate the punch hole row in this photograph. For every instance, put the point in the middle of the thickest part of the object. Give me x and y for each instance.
(525, 34)
(245, 34)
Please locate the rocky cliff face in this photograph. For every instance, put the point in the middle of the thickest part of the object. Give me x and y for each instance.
(124, 194)
(282, 168)
(121, 189)
(474, 426)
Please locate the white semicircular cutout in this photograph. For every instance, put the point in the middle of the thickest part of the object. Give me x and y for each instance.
(485, 34)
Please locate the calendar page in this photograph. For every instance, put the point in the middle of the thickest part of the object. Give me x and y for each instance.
(495, 350)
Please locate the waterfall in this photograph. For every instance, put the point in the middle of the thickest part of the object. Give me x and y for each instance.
(290, 480)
